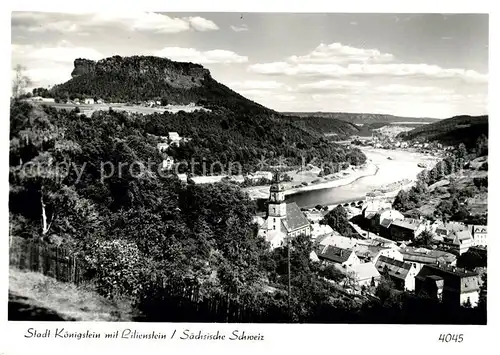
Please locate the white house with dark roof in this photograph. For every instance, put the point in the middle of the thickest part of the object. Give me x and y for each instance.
(283, 220)
(459, 241)
(401, 273)
(338, 256)
(479, 234)
(365, 274)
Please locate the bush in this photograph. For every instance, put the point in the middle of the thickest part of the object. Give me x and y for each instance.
(120, 268)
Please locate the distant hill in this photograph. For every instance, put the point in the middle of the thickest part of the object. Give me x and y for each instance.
(235, 130)
(328, 126)
(141, 78)
(362, 118)
(451, 131)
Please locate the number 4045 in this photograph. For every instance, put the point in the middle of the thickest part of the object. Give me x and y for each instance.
(447, 338)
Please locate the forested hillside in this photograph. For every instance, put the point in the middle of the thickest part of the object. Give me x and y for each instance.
(451, 131)
(361, 118)
(236, 130)
(325, 125)
(134, 225)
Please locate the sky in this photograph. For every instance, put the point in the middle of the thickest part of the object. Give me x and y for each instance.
(415, 65)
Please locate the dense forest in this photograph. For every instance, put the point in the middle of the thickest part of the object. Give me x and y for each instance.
(134, 226)
(451, 131)
(336, 128)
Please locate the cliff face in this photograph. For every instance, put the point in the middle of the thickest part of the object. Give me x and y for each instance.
(82, 67)
(140, 78)
(175, 74)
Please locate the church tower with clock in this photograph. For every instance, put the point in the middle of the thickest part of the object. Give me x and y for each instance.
(283, 220)
(276, 211)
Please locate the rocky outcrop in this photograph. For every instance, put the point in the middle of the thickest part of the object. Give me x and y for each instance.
(82, 67)
(176, 74)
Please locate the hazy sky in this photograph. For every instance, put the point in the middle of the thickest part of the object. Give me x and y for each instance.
(433, 65)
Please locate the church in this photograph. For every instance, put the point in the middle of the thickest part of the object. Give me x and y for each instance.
(283, 220)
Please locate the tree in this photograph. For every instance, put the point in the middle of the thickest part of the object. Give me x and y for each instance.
(483, 290)
(425, 238)
(385, 287)
(461, 155)
(20, 82)
(482, 146)
(44, 168)
(337, 219)
(402, 201)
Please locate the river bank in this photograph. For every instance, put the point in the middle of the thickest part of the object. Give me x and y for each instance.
(351, 175)
(383, 167)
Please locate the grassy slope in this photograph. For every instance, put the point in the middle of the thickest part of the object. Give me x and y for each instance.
(33, 296)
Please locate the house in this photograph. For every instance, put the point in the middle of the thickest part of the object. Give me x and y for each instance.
(336, 240)
(88, 101)
(458, 241)
(371, 253)
(259, 175)
(443, 229)
(372, 206)
(451, 285)
(338, 256)
(401, 273)
(283, 220)
(478, 235)
(313, 256)
(389, 214)
(174, 138)
(321, 230)
(423, 256)
(365, 274)
(384, 218)
(168, 163)
(405, 229)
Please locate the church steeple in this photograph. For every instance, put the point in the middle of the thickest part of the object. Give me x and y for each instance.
(277, 205)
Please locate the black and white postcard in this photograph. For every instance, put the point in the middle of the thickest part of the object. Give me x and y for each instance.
(200, 180)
